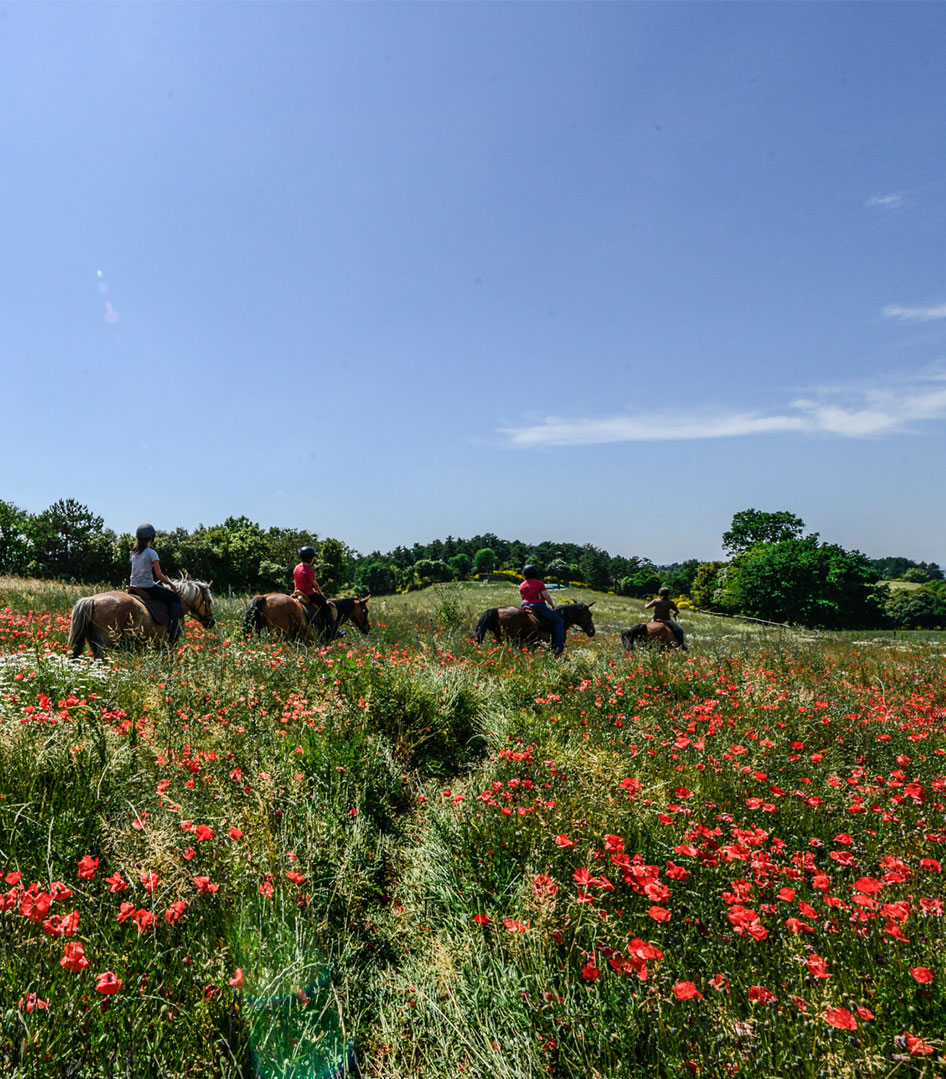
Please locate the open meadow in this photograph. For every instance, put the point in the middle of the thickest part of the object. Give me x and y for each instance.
(443, 860)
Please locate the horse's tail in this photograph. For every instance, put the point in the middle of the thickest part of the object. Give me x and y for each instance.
(488, 623)
(253, 618)
(81, 625)
(630, 636)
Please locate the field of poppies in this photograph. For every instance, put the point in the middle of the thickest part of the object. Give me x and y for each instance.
(414, 856)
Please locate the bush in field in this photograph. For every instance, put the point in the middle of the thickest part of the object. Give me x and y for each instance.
(916, 608)
(484, 561)
(461, 564)
(704, 585)
(376, 577)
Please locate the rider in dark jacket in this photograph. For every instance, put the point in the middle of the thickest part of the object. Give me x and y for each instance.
(664, 611)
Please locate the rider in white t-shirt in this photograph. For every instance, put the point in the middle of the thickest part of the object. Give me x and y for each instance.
(146, 574)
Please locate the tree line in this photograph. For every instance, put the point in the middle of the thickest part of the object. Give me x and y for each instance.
(774, 570)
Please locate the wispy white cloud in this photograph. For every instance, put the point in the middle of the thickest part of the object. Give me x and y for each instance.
(867, 413)
(915, 314)
(893, 201)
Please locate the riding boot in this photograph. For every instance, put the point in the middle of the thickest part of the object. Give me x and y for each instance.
(174, 630)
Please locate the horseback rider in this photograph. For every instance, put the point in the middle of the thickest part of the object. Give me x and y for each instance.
(146, 576)
(313, 601)
(664, 611)
(536, 597)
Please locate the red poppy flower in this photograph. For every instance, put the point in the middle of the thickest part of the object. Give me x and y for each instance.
(659, 914)
(760, 993)
(237, 980)
(149, 880)
(107, 984)
(922, 974)
(87, 867)
(174, 911)
(590, 972)
(482, 919)
(73, 958)
(686, 991)
(916, 1046)
(840, 1018)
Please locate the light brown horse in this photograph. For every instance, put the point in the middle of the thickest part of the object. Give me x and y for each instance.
(287, 616)
(516, 624)
(655, 633)
(110, 617)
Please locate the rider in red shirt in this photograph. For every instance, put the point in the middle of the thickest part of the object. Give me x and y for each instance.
(303, 577)
(535, 595)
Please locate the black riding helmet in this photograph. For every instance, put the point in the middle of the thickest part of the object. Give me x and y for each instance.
(145, 533)
(307, 553)
(530, 571)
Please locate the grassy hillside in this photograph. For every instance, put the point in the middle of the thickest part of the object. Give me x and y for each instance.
(443, 860)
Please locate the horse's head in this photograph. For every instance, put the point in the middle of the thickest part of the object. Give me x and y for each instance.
(197, 600)
(580, 616)
(359, 613)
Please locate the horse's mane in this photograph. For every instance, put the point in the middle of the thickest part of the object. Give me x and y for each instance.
(189, 589)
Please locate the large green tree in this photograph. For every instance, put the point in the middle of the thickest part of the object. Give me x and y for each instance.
(756, 526)
(69, 542)
(805, 582)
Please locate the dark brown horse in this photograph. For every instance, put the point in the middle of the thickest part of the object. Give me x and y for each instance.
(287, 616)
(110, 617)
(518, 625)
(655, 633)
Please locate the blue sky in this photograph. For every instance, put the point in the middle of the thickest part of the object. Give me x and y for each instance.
(602, 273)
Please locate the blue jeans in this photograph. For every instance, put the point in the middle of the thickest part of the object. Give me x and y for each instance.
(552, 621)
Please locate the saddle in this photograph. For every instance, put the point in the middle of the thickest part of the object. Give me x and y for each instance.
(539, 624)
(313, 611)
(156, 607)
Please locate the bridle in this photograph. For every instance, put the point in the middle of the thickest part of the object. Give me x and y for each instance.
(204, 615)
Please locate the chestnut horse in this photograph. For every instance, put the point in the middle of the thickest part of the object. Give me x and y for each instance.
(657, 633)
(517, 625)
(285, 615)
(109, 617)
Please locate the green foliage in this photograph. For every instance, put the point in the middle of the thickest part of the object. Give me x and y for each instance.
(432, 571)
(705, 582)
(595, 567)
(898, 568)
(801, 581)
(916, 608)
(14, 539)
(375, 577)
(484, 561)
(645, 582)
(679, 576)
(331, 566)
(559, 570)
(461, 564)
(753, 526)
(69, 542)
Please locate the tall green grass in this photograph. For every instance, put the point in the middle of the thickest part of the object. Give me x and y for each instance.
(375, 773)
